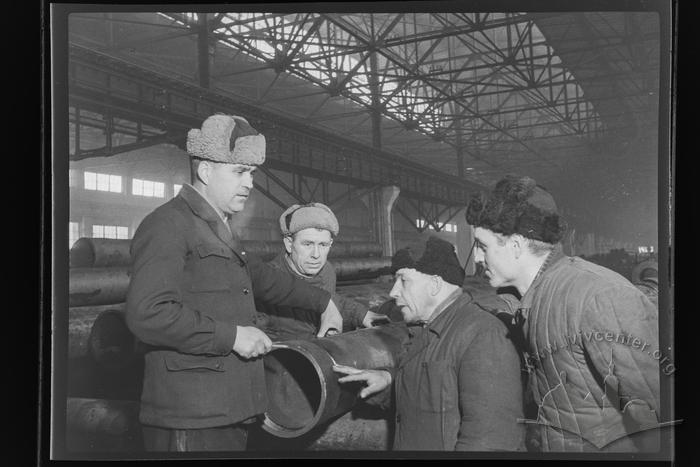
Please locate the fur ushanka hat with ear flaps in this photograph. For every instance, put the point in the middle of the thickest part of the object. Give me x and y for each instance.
(518, 205)
(228, 139)
(313, 215)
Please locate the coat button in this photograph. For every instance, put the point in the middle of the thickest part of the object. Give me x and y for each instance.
(246, 291)
(242, 252)
(217, 366)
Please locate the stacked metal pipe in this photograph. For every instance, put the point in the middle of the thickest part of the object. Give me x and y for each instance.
(99, 338)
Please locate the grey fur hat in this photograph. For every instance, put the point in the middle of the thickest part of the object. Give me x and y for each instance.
(227, 138)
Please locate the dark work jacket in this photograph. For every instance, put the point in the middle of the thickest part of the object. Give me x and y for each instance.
(285, 322)
(191, 285)
(458, 386)
(593, 382)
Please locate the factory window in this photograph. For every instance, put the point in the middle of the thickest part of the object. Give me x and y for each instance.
(446, 227)
(110, 231)
(103, 182)
(176, 189)
(73, 233)
(148, 188)
(420, 223)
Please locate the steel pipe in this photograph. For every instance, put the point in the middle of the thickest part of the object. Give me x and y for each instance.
(360, 268)
(111, 344)
(80, 321)
(97, 286)
(99, 252)
(355, 249)
(646, 271)
(101, 416)
(104, 286)
(303, 391)
(115, 424)
(107, 252)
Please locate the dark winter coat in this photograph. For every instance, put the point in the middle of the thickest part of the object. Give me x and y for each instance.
(458, 385)
(191, 285)
(284, 322)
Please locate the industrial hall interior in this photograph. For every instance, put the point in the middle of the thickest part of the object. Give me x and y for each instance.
(321, 229)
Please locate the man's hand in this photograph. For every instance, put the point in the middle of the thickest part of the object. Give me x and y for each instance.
(372, 319)
(251, 342)
(330, 321)
(375, 380)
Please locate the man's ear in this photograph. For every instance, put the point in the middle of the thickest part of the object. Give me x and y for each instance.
(517, 244)
(203, 171)
(288, 244)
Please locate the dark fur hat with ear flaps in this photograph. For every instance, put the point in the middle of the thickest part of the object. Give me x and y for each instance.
(402, 259)
(518, 205)
(440, 259)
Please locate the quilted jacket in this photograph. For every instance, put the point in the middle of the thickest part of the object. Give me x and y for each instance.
(592, 348)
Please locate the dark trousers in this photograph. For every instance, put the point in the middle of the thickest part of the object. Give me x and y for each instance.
(225, 438)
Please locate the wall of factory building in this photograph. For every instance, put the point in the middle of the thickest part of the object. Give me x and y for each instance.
(156, 173)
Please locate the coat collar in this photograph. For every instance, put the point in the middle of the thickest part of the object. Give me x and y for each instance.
(553, 258)
(441, 317)
(419, 332)
(203, 209)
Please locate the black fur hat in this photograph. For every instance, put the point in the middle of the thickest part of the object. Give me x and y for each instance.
(518, 205)
(440, 259)
(402, 259)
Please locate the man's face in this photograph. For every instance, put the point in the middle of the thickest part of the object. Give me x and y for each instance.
(229, 185)
(308, 249)
(412, 293)
(495, 254)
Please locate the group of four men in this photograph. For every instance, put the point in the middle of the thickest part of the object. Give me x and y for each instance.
(207, 313)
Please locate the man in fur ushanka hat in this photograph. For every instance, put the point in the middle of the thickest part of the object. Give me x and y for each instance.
(595, 393)
(308, 231)
(190, 300)
(457, 386)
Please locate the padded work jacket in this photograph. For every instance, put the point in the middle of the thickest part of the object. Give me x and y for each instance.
(591, 338)
(191, 285)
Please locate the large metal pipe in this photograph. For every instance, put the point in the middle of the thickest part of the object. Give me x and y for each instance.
(104, 286)
(646, 271)
(355, 249)
(360, 268)
(99, 252)
(97, 286)
(114, 423)
(366, 429)
(101, 416)
(80, 321)
(111, 344)
(303, 391)
(107, 252)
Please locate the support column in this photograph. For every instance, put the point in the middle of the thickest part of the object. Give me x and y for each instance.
(460, 150)
(383, 224)
(375, 111)
(203, 51)
(465, 239)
